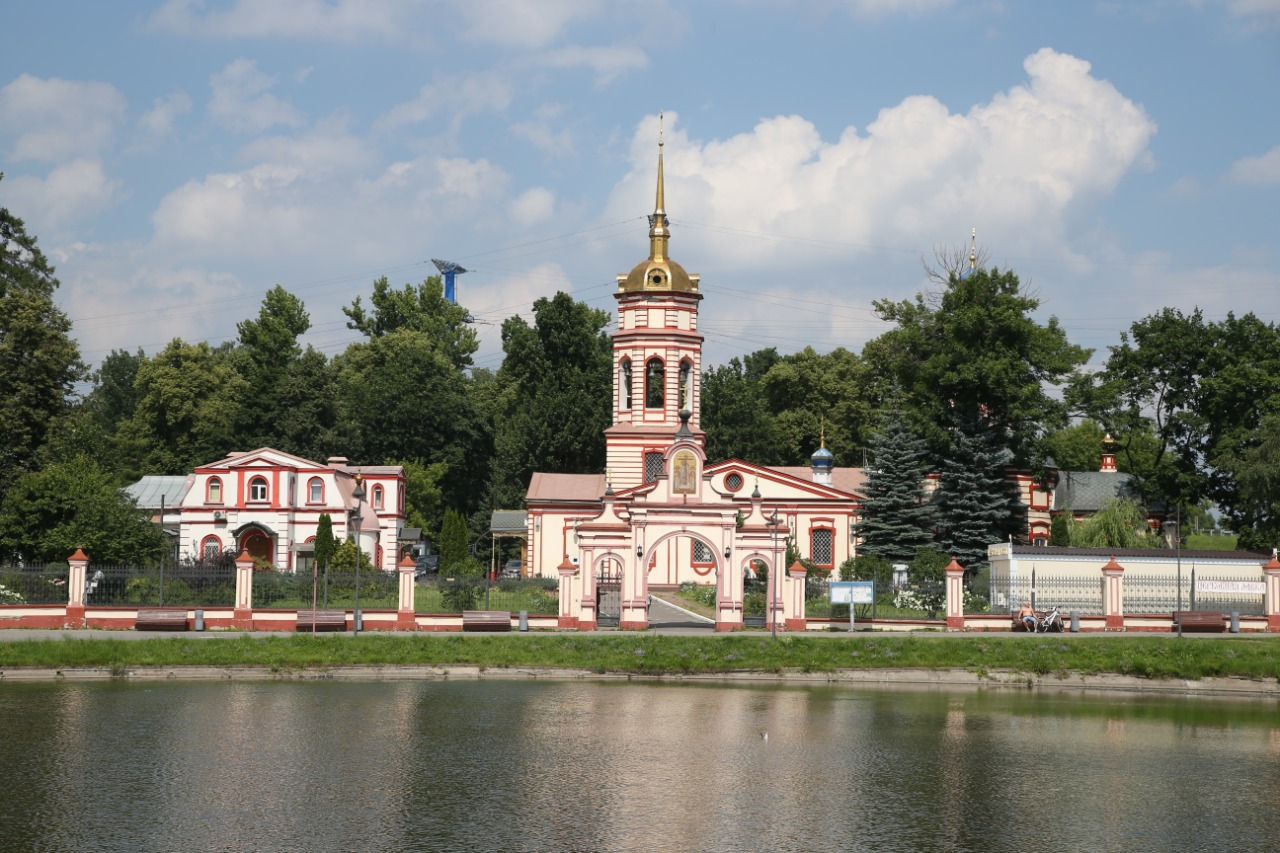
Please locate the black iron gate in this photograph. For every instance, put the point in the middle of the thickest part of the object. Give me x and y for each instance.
(609, 595)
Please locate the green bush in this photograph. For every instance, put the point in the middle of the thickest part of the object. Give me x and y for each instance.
(704, 594)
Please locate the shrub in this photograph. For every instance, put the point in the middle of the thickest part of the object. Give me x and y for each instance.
(9, 596)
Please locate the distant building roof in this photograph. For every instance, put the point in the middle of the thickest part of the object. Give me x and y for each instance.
(509, 522)
(1090, 491)
(566, 487)
(150, 491)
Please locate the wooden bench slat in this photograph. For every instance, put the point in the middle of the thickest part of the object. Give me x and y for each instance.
(322, 620)
(160, 619)
(486, 620)
(1200, 620)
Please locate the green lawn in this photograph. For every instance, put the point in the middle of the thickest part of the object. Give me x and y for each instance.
(1152, 657)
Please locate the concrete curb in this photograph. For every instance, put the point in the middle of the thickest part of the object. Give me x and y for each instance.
(878, 678)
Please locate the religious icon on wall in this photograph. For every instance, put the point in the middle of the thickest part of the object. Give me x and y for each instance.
(684, 470)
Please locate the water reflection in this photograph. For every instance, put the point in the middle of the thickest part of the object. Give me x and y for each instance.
(587, 766)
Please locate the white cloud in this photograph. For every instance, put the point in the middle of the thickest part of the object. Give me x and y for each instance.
(454, 95)
(158, 121)
(1264, 169)
(55, 119)
(1021, 163)
(241, 100)
(328, 148)
(523, 23)
(71, 193)
(342, 21)
(606, 62)
(533, 207)
(889, 8)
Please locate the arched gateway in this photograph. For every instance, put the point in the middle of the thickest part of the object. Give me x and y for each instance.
(661, 515)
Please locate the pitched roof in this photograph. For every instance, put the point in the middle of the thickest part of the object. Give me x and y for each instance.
(566, 487)
(509, 522)
(1090, 491)
(151, 490)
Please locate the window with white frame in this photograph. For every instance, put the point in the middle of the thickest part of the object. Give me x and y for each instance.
(377, 497)
(315, 490)
(213, 491)
(211, 547)
(258, 489)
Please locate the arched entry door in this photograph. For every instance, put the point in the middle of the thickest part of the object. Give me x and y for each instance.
(608, 594)
(259, 546)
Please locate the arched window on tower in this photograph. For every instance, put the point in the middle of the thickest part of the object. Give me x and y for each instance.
(655, 384)
(626, 384)
(686, 386)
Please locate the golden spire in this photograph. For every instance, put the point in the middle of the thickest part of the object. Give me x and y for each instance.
(658, 272)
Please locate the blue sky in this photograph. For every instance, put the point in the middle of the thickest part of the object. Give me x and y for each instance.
(179, 158)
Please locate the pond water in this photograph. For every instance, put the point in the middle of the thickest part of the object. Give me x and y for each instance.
(537, 766)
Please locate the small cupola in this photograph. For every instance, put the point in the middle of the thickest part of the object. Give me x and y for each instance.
(822, 462)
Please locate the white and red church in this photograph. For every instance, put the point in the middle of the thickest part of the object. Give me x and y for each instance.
(661, 515)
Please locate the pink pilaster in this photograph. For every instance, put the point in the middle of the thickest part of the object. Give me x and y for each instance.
(955, 595)
(406, 618)
(1271, 596)
(793, 598)
(79, 563)
(1113, 595)
(242, 616)
(570, 614)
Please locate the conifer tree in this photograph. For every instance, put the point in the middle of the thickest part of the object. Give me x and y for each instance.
(896, 518)
(976, 504)
(453, 541)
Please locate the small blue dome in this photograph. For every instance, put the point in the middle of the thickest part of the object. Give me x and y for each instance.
(823, 458)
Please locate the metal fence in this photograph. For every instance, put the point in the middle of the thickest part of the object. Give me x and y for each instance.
(184, 584)
(332, 589)
(34, 583)
(1070, 594)
(537, 596)
(1162, 594)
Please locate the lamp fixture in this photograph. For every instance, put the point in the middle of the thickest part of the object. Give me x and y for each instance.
(639, 551)
(727, 552)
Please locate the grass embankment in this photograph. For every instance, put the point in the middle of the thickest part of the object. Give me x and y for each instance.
(1151, 657)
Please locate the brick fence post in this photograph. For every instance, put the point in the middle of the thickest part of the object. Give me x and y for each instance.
(1271, 597)
(570, 613)
(406, 620)
(955, 595)
(242, 617)
(793, 618)
(79, 564)
(1113, 595)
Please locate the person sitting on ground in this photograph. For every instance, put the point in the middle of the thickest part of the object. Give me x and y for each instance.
(1027, 616)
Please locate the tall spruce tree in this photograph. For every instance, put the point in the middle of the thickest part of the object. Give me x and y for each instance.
(897, 520)
(976, 504)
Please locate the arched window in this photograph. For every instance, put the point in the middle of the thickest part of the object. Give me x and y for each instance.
(315, 490)
(686, 386)
(258, 489)
(626, 384)
(377, 497)
(213, 491)
(655, 385)
(210, 547)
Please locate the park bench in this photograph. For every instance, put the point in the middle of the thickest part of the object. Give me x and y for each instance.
(160, 619)
(322, 620)
(1199, 620)
(486, 620)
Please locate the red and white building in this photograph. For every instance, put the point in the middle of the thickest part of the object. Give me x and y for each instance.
(661, 515)
(269, 503)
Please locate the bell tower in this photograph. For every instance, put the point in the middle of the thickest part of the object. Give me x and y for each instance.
(657, 358)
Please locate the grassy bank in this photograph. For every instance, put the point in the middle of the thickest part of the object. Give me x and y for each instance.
(1152, 657)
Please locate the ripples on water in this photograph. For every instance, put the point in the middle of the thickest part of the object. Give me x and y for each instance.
(516, 766)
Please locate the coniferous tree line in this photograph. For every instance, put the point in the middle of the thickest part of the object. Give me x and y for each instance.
(965, 385)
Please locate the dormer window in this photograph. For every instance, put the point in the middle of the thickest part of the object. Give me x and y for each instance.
(213, 491)
(258, 489)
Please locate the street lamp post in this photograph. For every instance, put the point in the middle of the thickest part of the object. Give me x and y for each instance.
(356, 519)
(1176, 527)
(773, 521)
